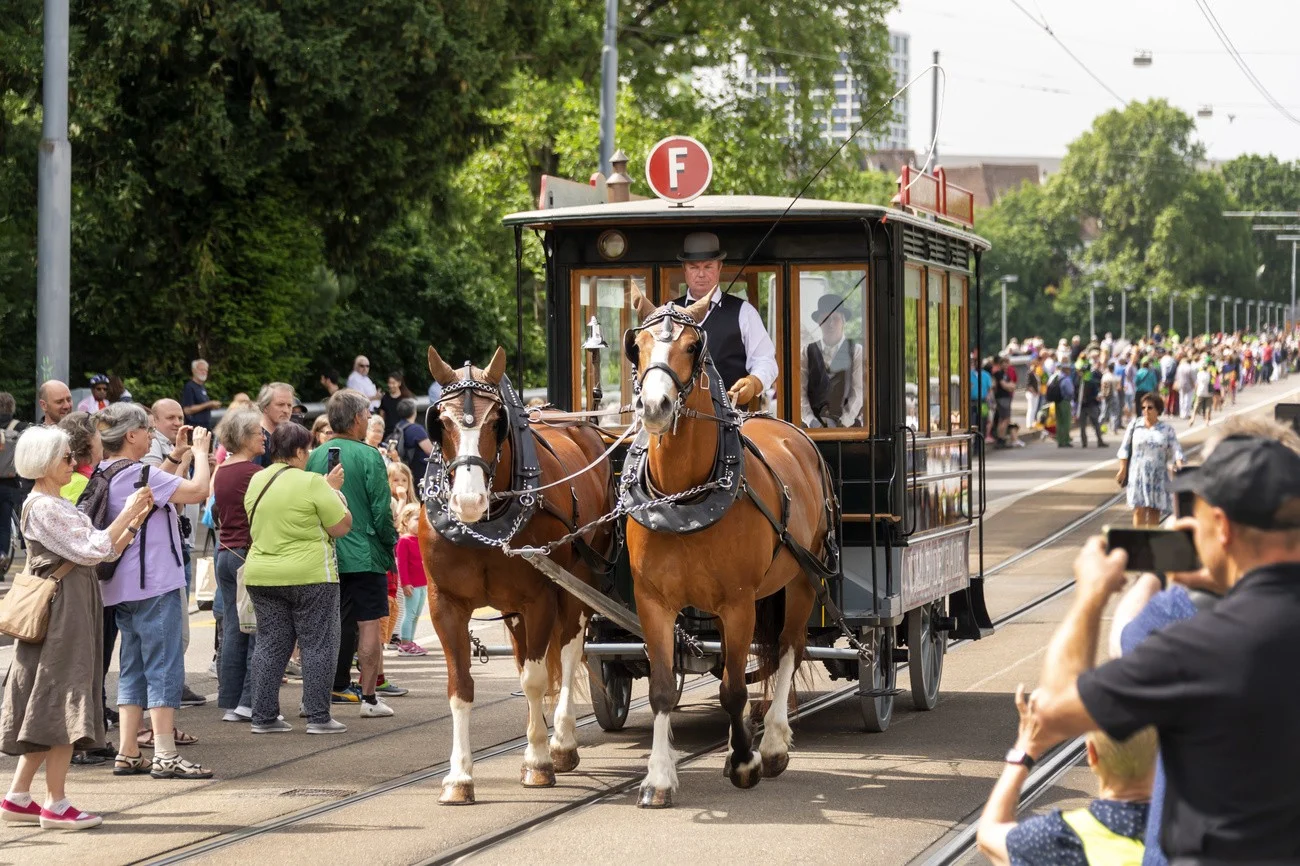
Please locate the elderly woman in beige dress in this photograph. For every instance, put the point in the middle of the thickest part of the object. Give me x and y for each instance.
(52, 698)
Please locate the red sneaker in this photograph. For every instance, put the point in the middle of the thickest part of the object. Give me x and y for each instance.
(70, 818)
(11, 811)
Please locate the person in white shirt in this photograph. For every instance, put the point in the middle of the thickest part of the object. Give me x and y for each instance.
(1185, 376)
(739, 344)
(831, 379)
(359, 380)
(97, 400)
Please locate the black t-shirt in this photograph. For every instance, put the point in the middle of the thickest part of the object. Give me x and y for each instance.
(388, 406)
(1218, 688)
(999, 391)
(194, 394)
(413, 455)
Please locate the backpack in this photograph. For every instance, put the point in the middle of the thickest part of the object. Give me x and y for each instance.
(1054, 389)
(10, 433)
(94, 504)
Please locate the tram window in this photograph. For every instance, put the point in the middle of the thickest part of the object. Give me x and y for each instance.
(935, 354)
(608, 298)
(759, 286)
(832, 350)
(957, 370)
(912, 347)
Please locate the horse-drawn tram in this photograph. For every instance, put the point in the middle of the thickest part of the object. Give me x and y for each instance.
(830, 518)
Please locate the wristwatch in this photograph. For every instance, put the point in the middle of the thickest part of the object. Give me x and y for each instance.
(1021, 757)
(134, 530)
(172, 459)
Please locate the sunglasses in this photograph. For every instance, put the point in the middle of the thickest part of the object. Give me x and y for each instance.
(68, 458)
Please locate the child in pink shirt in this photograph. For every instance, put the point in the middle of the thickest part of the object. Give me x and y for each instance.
(414, 582)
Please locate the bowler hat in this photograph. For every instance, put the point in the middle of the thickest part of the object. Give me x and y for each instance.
(828, 304)
(701, 247)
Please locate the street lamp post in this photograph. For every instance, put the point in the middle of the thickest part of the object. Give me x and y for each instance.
(1123, 312)
(608, 85)
(1170, 326)
(1009, 278)
(1092, 309)
(1148, 294)
(1208, 298)
(1223, 300)
(1235, 303)
(1189, 317)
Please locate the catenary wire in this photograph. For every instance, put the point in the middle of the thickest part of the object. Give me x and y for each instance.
(1223, 37)
(1048, 30)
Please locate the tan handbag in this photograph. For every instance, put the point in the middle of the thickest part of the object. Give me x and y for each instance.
(25, 610)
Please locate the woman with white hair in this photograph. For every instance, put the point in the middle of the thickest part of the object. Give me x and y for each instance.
(52, 698)
(147, 589)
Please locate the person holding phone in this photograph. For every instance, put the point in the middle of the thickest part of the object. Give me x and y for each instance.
(1150, 446)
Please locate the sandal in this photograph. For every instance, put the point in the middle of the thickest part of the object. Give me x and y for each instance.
(176, 767)
(130, 765)
(145, 739)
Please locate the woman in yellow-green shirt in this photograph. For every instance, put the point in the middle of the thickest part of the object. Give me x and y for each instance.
(87, 452)
(292, 576)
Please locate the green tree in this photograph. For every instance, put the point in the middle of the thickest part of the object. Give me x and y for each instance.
(1265, 183)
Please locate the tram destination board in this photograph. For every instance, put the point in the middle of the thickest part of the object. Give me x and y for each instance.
(933, 568)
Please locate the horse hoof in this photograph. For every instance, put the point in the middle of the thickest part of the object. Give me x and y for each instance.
(537, 777)
(746, 776)
(565, 760)
(774, 765)
(655, 798)
(457, 794)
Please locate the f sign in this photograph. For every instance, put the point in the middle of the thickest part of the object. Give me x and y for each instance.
(676, 164)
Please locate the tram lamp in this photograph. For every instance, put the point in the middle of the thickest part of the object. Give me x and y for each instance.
(1009, 278)
(595, 342)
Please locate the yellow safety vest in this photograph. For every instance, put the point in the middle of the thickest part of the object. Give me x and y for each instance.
(1101, 845)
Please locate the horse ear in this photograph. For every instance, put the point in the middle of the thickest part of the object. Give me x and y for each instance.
(630, 349)
(442, 373)
(492, 375)
(700, 308)
(641, 303)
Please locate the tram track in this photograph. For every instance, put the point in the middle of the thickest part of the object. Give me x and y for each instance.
(559, 811)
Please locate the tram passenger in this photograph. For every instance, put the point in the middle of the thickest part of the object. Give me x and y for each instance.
(739, 343)
(1107, 831)
(830, 387)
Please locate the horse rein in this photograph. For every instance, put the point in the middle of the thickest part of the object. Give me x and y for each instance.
(664, 318)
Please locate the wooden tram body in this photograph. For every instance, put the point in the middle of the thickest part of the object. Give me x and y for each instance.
(909, 475)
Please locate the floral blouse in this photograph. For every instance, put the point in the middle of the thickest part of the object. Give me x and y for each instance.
(55, 523)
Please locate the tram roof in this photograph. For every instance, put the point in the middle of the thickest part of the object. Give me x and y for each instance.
(725, 208)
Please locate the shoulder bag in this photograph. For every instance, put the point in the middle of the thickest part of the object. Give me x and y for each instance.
(243, 601)
(25, 610)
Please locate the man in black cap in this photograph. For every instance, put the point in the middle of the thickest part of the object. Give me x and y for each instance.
(831, 374)
(739, 343)
(1214, 686)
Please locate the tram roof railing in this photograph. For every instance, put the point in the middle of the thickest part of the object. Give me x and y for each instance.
(727, 208)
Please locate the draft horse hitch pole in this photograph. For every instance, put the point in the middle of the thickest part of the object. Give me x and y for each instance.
(590, 596)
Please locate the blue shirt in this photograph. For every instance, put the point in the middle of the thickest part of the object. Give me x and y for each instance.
(1165, 607)
(980, 385)
(1145, 380)
(194, 394)
(1048, 841)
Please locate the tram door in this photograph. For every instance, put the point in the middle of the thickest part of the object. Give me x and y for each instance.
(602, 378)
(758, 285)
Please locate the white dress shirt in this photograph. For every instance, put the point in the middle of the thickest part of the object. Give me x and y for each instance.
(760, 352)
(359, 382)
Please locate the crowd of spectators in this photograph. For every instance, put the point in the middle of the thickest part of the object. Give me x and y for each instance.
(108, 497)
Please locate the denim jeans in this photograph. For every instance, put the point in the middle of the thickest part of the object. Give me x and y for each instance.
(152, 664)
(411, 616)
(234, 685)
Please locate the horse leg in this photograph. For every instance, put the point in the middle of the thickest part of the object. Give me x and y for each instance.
(661, 771)
(743, 765)
(777, 735)
(539, 622)
(564, 743)
(452, 625)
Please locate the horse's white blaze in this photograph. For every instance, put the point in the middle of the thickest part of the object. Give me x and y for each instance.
(532, 679)
(462, 761)
(565, 737)
(661, 773)
(656, 385)
(469, 493)
(777, 733)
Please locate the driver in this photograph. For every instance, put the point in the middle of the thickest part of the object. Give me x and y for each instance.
(739, 343)
(831, 388)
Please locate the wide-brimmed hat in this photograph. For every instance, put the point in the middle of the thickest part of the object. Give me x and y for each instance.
(701, 247)
(828, 304)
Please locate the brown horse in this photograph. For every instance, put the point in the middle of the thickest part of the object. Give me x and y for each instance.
(480, 427)
(737, 568)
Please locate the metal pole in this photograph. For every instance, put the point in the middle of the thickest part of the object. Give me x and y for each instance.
(54, 203)
(1208, 298)
(934, 124)
(1189, 317)
(608, 85)
(1222, 302)
(1123, 313)
(1236, 303)
(1004, 317)
(1170, 326)
(1293, 246)
(1148, 293)
(1092, 313)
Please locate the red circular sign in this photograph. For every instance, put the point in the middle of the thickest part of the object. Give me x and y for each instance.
(679, 169)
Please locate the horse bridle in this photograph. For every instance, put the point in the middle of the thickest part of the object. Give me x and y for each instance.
(664, 318)
(466, 389)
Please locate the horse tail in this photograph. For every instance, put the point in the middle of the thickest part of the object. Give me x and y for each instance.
(769, 620)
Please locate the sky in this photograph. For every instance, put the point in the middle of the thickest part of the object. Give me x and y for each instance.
(1013, 91)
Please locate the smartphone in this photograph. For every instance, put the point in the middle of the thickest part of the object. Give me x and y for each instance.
(331, 460)
(1164, 550)
(189, 436)
(144, 477)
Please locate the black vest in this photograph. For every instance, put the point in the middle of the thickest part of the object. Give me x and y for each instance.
(726, 346)
(828, 387)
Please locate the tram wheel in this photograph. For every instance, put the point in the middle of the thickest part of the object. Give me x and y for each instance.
(878, 677)
(611, 693)
(926, 648)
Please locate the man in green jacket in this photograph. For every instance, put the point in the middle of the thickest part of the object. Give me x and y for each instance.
(365, 554)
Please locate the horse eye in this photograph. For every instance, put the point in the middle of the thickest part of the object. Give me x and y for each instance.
(693, 348)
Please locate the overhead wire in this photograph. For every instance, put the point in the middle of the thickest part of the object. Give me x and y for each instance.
(1223, 37)
(1050, 32)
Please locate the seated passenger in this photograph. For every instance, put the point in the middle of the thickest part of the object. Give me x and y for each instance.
(830, 391)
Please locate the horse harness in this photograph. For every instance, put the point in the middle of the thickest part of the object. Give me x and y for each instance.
(703, 506)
